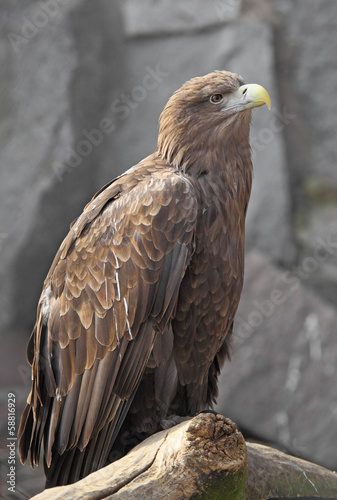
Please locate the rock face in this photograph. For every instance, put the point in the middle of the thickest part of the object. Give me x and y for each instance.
(54, 89)
(305, 54)
(205, 457)
(162, 17)
(281, 383)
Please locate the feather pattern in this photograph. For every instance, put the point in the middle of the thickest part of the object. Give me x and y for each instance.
(105, 312)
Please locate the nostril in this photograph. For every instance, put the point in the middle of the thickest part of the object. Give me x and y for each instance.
(244, 91)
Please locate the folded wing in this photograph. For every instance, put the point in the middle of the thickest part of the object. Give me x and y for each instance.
(111, 290)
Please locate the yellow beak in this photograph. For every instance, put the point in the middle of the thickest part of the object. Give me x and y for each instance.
(254, 95)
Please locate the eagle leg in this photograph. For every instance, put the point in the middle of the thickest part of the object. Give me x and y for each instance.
(173, 420)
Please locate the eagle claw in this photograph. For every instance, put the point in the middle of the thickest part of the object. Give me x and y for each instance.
(172, 420)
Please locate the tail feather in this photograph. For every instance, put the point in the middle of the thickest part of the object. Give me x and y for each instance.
(75, 464)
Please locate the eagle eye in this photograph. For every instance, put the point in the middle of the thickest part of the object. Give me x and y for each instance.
(216, 98)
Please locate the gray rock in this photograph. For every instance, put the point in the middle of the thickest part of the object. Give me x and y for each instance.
(306, 47)
(56, 68)
(146, 17)
(281, 383)
(31, 129)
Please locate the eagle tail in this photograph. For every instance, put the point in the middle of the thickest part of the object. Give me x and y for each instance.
(75, 464)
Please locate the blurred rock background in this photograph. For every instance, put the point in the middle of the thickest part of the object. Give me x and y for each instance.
(82, 85)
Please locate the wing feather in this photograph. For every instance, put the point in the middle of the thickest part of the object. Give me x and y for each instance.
(112, 287)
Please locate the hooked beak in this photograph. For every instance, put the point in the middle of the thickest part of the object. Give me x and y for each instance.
(246, 97)
(253, 95)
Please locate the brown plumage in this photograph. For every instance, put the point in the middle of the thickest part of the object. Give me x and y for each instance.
(134, 319)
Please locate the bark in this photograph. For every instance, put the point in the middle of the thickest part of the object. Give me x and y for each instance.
(205, 457)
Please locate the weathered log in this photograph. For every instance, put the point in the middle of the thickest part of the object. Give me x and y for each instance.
(273, 474)
(188, 460)
(205, 457)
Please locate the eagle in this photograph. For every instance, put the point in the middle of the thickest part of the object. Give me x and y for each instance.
(136, 313)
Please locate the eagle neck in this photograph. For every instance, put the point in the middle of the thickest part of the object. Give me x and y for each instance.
(227, 173)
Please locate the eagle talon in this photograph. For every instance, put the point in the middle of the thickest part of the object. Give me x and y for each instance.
(172, 420)
(208, 411)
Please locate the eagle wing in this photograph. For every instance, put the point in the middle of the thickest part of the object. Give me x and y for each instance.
(111, 289)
